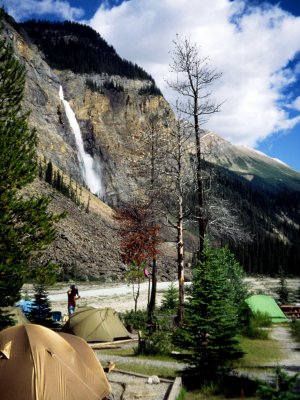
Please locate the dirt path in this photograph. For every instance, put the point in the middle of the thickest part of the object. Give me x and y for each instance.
(290, 348)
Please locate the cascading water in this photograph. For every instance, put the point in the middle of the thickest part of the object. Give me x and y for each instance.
(90, 168)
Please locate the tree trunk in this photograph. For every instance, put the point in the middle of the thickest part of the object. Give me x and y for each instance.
(152, 302)
(180, 261)
(201, 222)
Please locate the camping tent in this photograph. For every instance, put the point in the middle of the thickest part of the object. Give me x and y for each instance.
(96, 324)
(26, 305)
(37, 363)
(266, 304)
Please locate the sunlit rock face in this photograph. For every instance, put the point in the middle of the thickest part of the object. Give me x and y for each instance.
(110, 121)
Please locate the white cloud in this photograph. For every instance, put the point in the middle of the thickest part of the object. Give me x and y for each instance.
(25, 9)
(296, 104)
(253, 55)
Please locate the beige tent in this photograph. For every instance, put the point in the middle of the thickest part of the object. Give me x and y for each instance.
(96, 325)
(37, 364)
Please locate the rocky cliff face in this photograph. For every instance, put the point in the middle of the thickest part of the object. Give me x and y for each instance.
(110, 121)
(110, 124)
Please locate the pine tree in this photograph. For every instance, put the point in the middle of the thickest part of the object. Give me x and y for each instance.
(211, 321)
(26, 226)
(41, 308)
(282, 290)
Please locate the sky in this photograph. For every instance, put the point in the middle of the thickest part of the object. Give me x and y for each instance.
(255, 44)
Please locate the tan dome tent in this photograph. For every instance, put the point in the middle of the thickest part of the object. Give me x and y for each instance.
(96, 325)
(37, 363)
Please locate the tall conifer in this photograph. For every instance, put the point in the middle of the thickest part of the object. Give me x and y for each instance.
(212, 321)
(26, 226)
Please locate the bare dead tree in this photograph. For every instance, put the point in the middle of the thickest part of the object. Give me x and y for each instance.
(177, 178)
(223, 221)
(151, 168)
(194, 78)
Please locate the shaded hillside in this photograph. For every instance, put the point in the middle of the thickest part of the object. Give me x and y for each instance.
(273, 218)
(77, 47)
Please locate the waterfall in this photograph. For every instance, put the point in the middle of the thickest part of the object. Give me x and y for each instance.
(90, 168)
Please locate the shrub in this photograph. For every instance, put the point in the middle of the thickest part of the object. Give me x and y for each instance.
(282, 290)
(154, 343)
(135, 319)
(169, 300)
(253, 325)
(295, 326)
(283, 389)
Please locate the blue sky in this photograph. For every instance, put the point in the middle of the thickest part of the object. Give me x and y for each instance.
(254, 43)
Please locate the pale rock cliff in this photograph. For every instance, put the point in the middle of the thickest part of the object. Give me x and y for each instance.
(87, 243)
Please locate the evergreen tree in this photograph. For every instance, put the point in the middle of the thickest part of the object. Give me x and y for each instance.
(41, 309)
(284, 388)
(49, 173)
(26, 226)
(282, 290)
(211, 321)
(169, 301)
(43, 276)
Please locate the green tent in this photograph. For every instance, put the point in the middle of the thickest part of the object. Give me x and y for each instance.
(96, 325)
(266, 304)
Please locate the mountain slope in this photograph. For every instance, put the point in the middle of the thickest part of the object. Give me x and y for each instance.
(111, 111)
(264, 172)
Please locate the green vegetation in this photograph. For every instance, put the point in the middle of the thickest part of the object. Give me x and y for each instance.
(258, 352)
(212, 321)
(201, 394)
(93, 86)
(295, 327)
(283, 389)
(70, 45)
(57, 180)
(257, 203)
(111, 85)
(26, 225)
(150, 90)
(162, 372)
(254, 323)
(135, 319)
(169, 300)
(282, 290)
(40, 312)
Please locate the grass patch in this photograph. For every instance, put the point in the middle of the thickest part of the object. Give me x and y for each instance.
(258, 352)
(129, 352)
(204, 395)
(162, 372)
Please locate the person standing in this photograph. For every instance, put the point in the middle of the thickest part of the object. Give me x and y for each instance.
(73, 295)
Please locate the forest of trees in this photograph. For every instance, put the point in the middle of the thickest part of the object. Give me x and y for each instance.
(70, 45)
(267, 253)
